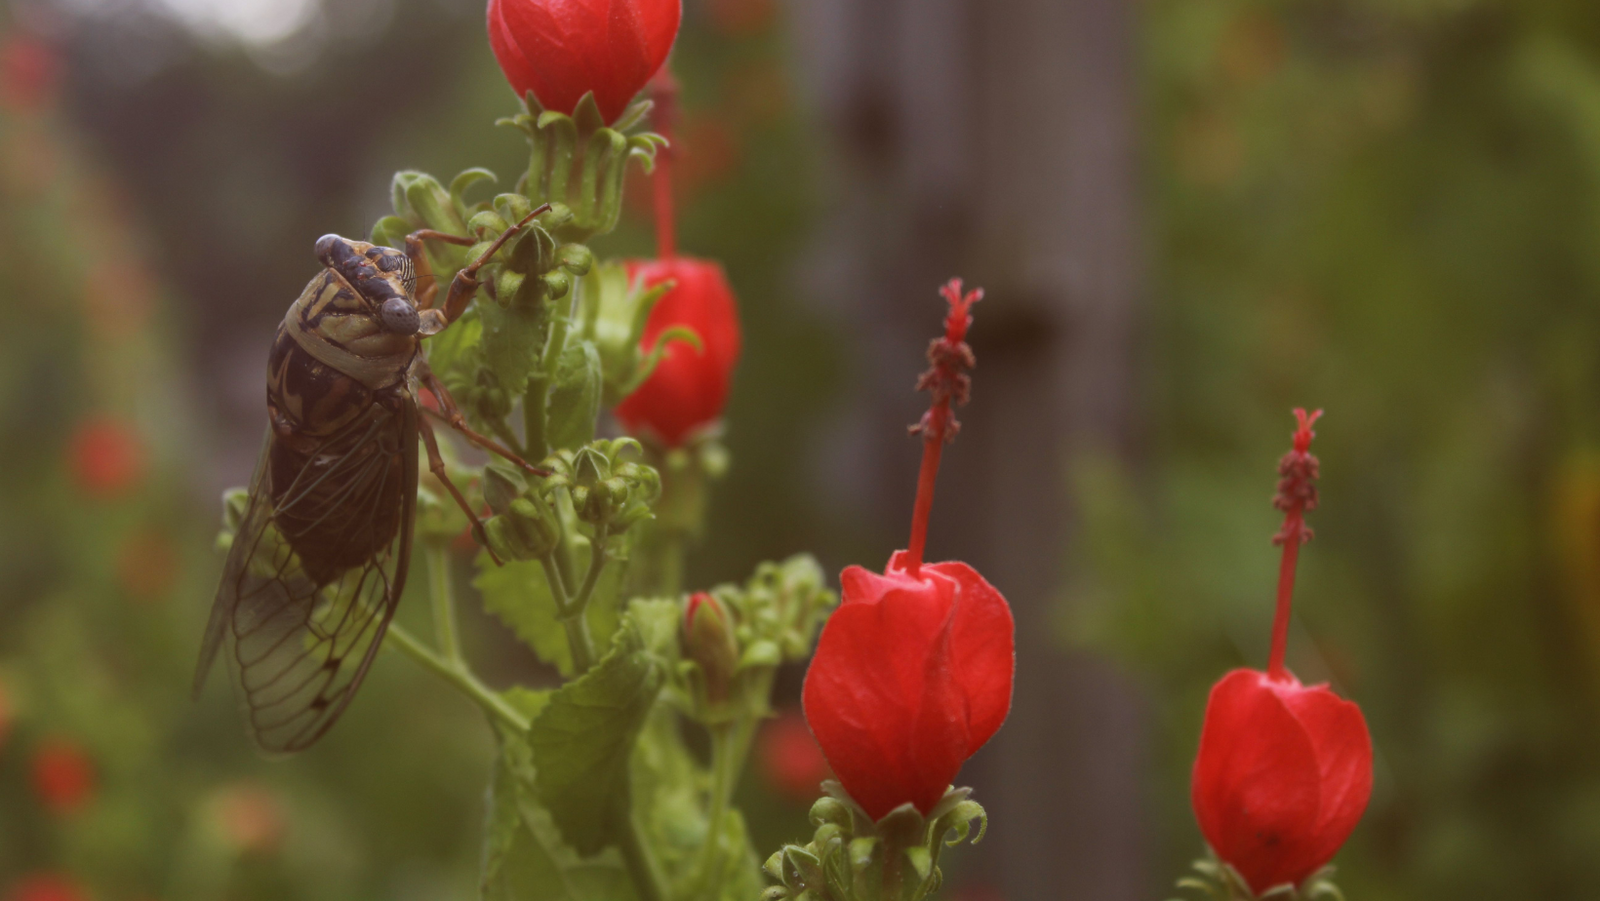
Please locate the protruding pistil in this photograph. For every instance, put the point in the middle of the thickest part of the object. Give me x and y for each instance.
(947, 380)
(1297, 494)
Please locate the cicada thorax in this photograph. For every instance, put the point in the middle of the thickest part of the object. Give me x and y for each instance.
(338, 399)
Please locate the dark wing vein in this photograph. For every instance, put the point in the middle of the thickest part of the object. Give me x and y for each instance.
(302, 646)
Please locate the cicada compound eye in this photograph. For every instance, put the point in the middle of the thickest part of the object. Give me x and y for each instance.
(398, 316)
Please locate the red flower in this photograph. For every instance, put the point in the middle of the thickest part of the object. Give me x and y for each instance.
(913, 671)
(63, 776)
(689, 388)
(708, 640)
(106, 456)
(563, 49)
(46, 887)
(1284, 770)
(790, 758)
(29, 72)
(250, 818)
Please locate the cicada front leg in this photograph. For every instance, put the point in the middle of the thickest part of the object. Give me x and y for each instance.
(436, 466)
(451, 415)
(466, 282)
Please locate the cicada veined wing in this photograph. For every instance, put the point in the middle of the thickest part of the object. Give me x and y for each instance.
(314, 573)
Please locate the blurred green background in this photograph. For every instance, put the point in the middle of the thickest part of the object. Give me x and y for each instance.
(1191, 216)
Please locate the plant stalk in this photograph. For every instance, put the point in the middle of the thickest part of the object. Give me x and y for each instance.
(458, 675)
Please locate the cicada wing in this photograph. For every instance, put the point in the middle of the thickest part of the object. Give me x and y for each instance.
(303, 643)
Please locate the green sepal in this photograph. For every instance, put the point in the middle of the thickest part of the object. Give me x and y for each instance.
(459, 186)
(583, 739)
(391, 231)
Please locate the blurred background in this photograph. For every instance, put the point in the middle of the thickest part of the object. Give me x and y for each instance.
(1190, 216)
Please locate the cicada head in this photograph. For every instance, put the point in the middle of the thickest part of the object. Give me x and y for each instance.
(382, 276)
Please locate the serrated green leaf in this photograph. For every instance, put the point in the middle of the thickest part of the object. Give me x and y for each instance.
(574, 403)
(452, 352)
(518, 595)
(583, 740)
(514, 334)
(524, 858)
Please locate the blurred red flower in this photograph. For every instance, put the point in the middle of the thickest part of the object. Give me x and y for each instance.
(563, 49)
(1284, 770)
(63, 775)
(147, 564)
(29, 72)
(913, 671)
(790, 759)
(689, 388)
(251, 818)
(46, 887)
(106, 456)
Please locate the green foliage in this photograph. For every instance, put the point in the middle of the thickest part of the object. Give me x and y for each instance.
(518, 593)
(583, 739)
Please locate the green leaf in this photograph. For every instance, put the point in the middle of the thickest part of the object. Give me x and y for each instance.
(524, 858)
(514, 334)
(452, 352)
(582, 742)
(574, 403)
(519, 596)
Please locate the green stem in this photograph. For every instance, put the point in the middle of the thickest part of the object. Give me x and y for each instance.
(458, 675)
(444, 604)
(725, 766)
(534, 401)
(577, 627)
(504, 433)
(641, 864)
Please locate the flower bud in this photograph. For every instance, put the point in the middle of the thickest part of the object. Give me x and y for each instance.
(688, 388)
(561, 50)
(708, 640)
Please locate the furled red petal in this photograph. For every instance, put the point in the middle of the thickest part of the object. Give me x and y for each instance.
(984, 655)
(1338, 734)
(689, 388)
(562, 49)
(1282, 776)
(910, 677)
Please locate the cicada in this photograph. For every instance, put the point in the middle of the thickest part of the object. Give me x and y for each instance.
(319, 559)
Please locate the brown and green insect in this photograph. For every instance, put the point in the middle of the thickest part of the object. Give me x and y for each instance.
(320, 557)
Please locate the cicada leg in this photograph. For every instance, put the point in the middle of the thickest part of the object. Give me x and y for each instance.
(466, 283)
(436, 466)
(450, 414)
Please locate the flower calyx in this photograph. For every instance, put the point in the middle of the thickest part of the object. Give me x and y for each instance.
(608, 490)
(736, 636)
(1218, 881)
(578, 161)
(614, 311)
(852, 857)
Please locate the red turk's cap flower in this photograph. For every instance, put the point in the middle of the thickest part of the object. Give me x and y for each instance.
(1283, 776)
(63, 776)
(913, 671)
(1284, 770)
(563, 49)
(106, 455)
(46, 887)
(689, 388)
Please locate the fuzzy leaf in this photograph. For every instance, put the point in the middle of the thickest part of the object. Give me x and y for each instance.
(518, 595)
(514, 334)
(575, 397)
(524, 858)
(583, 740)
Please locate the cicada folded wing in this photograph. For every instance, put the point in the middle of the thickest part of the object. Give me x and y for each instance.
(314, 573)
